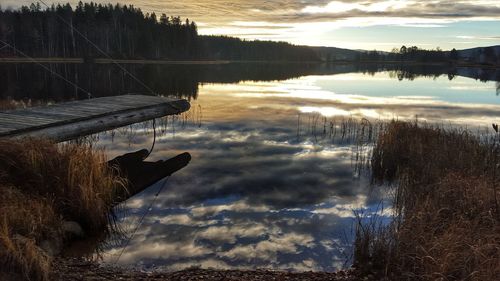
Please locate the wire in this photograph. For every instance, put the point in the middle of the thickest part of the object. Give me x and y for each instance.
(152, 203)
(100, 50)
(46, 68)
(141, 220)
(4, 46)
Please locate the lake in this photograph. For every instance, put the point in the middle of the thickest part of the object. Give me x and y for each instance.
(270, 185)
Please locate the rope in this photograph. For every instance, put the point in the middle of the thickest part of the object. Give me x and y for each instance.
(154, 139)
(46, 68)
(100, 50)
(141, 220)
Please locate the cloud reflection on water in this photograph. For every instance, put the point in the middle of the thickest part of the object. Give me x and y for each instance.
(256, 194)
(247, 199)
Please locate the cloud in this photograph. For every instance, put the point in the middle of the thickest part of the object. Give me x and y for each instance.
(239, 240)
(472, 37)
(269, 250)
(239, 206)
(231, 234)
(274, 13)
(157, 251)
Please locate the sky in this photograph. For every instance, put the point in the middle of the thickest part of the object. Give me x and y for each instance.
(353, 24)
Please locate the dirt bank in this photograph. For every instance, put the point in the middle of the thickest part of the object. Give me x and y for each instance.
(78, 269)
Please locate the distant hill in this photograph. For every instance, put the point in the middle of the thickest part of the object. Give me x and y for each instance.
(336, 54)
(475, 52)
(482, 55)
(489, 55)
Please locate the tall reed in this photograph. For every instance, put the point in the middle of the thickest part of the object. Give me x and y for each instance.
(446, 222)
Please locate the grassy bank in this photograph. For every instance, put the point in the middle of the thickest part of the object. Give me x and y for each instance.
(446, 212)
(43, 187)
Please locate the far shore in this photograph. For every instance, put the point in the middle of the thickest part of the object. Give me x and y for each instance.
(222, 62)
(107, 61)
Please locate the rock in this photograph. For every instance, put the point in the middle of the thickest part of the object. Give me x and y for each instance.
(72, 229)
(52, 247)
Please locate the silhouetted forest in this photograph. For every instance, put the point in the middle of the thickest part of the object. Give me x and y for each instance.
(125, 32)
(120, 31)
(482, 55)
(421, 55)
(228, 48)
(407, 54)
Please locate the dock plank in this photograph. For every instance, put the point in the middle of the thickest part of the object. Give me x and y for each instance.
(77, 118)
(56, 116)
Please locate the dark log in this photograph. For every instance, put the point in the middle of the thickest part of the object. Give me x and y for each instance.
(142, 174)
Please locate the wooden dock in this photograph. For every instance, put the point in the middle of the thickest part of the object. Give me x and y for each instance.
(69, 120)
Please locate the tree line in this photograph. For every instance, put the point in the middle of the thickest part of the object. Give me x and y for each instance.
(407, 54)
(414, 53)
(125, 32)
(485, 55)
(120, 31)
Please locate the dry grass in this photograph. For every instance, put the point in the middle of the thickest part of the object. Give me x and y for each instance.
(23, 221)
(10, 104)
(43, 184)
(447, 222)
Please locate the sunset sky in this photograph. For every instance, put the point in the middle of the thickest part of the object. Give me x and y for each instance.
(354, 24)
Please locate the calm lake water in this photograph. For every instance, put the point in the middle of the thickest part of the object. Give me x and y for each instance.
(268, 186)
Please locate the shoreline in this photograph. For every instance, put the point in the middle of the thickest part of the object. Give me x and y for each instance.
(109, 61)
(224, 62)
(81, 269)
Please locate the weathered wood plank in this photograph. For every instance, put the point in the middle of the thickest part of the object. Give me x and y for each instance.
(8, 126)
(25, 118)
(61, 111)
(78, 118)
(57, 116)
